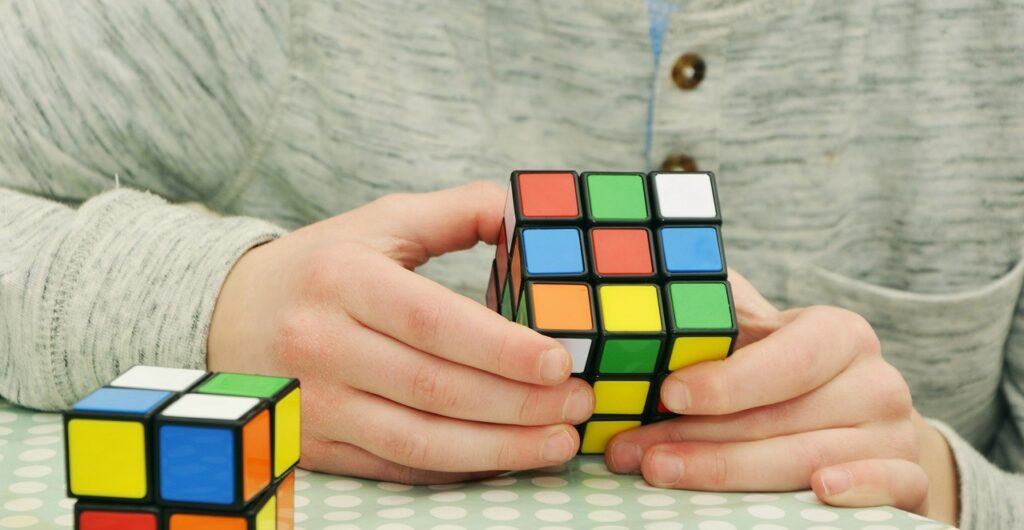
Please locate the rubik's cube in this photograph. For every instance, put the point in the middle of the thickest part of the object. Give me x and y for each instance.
(627, 271)
(176, 449)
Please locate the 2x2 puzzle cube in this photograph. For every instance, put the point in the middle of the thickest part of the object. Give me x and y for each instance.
(627, 271)
(195, 449)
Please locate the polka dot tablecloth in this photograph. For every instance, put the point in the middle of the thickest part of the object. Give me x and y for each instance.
(581, 494)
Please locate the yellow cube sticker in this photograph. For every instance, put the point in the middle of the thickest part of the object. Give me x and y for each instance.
(692, 350)
(266, 518)
(630, 308)
(107, 458)
(620, 397)
(597, 434)
(286, 432)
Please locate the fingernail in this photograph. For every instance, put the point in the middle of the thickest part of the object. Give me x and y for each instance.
(558, 447)
(675, 395)
(554, 365)
(625, 457)
(578, 406)
(835, 481)
(666, 469)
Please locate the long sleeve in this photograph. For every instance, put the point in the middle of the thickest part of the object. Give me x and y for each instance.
(992, 484)
(125, 279)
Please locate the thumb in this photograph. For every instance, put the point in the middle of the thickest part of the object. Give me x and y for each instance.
(879, 482)
(414, 227)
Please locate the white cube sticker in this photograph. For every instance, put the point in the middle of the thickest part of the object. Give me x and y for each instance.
(685, 195)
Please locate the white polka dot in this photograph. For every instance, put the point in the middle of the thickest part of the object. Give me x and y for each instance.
(715, 525)
(343, 485)
(42, 440)
(931, 527)
(394, 500)
(448, 496)
(501, 513)
(708, 500)
(551, 515)
(396, 513)
(872, 516)
(45, 429)
(300, 517)
(4, 431)
(23, 504)
(594, 468)
(654, 515)
(302, 485)
(551, 497)
(606, 516)
(499, 496)
(879, 527)
(768, 527)
(501, 527)
(67, 504)
(818, 515)
(712, 512)
(36, 455)
(448, 513)
(766, 511)
(500, 481)
(342, 516)
(807, 496)
(549, 482)
(33, 471)
(603, 499)
(343, 501)
(301, 473)
(816, 527)
(656, 499)
(64, 520)
(27, 487)
(447, 527)
(643, 485)
(301, 501)
(18, 521)
(760, 497)
(601, 483)
(393, 487)
(7, 417)
(394, 526)
(44, 417)
(663, 525)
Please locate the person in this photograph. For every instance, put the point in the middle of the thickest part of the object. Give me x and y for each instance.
(256, 186)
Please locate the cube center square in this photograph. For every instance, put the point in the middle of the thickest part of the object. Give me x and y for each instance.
(621, 251)
(627, 271)
(616, 197)
(630, 308)
(548, 195)
(553, 251)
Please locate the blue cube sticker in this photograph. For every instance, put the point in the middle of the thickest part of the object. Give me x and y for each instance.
(554, 251)
(197, 464)
(121, 400)
(691, 249)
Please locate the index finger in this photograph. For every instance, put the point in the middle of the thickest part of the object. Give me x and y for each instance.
(427, 316)
(818, 344)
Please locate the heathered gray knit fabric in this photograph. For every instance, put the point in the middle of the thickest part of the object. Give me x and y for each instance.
(870, 154)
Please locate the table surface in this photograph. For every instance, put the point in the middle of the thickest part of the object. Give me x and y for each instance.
(581, 494)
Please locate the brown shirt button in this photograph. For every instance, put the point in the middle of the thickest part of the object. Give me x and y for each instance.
(679, 162)
(688, 71)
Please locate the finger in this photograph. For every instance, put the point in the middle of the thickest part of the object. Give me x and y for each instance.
(866, 392)
(756, 316)
(881, 482)
(435, 223)
(776, 464)
(339, 458)
(426, 441)
(388, 368)
(816, 346)
(431, 318)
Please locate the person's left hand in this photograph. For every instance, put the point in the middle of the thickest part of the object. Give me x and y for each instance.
(806, 400)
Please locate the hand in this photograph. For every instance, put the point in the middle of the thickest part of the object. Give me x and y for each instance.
(402, 379)
(806, 400)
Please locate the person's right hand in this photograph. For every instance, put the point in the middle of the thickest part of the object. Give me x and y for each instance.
(402, 379)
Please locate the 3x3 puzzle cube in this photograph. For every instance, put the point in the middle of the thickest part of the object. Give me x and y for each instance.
(177, 449)
(627, 271)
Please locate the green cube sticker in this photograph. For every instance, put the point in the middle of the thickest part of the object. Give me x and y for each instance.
(617, 197)
(699, 305)
(629, 356)
(523, 316)
(260, 386)
(506, 301)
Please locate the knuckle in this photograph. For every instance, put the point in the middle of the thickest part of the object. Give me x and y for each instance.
(406, 449)
(319, 271)
(719, 473)
(812, 455)
(897, 401)
(293, 343)
(393, 202)
(424, 319)
(530, 407)
(430, 387)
